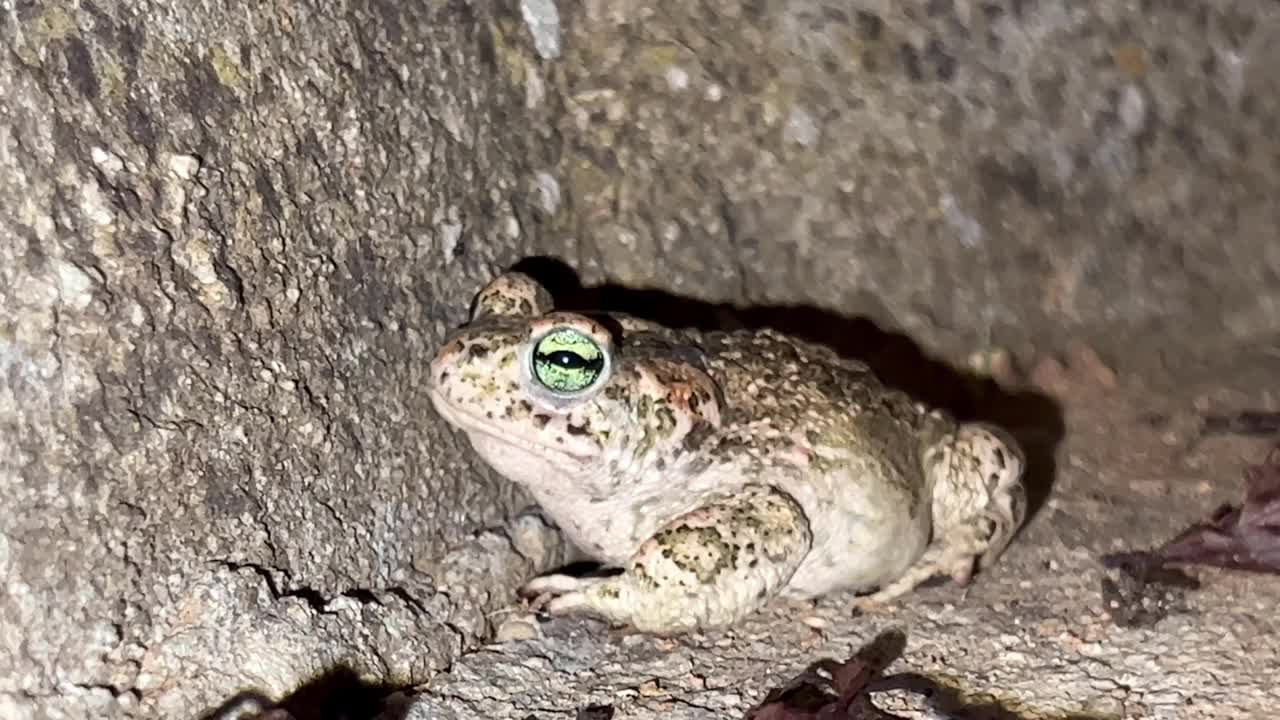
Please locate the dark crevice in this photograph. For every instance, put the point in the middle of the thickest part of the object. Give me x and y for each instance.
(317, 600)
(408, 599)
(313, 598)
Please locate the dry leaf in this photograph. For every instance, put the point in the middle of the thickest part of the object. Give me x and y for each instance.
(834, 691)
(1239, 538)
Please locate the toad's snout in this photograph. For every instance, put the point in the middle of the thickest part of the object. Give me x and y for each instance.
(439, 369)
(441, 385)
(444, 363)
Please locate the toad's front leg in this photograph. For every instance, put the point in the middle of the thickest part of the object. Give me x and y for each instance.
(706, 569)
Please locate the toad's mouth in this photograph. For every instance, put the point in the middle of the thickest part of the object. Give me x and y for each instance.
(565, 450)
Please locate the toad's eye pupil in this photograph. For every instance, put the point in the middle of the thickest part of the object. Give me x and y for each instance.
(567, 361)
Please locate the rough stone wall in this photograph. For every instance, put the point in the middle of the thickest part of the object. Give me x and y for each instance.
(230, 235)
(967, 171)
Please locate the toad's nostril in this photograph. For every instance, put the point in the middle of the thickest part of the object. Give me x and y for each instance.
(440, 369)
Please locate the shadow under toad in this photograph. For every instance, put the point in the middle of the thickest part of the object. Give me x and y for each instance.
(337, 694)
(1033, 418)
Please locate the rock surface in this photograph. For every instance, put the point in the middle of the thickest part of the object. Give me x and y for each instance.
(231, 235)
(965, 170)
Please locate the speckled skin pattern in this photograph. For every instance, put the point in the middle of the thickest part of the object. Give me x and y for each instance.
(719, 470)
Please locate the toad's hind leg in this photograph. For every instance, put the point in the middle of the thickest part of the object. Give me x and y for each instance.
(979, 502)
(706, 569)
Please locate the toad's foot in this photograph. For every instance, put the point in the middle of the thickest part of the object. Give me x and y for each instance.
(979, 502)
(706, 569)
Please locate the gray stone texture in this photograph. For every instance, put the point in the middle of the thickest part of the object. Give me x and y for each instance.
(231, 234)
(965, 171)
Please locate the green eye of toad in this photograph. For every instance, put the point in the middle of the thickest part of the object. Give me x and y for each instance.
(567, 361)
